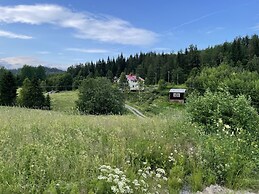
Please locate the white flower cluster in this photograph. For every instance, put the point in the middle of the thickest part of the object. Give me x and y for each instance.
(121, 184)
(117, 178)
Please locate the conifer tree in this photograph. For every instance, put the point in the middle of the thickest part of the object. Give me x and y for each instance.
(31, 95)
(8, 89)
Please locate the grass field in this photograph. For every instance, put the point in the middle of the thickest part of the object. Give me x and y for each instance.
(43, 149)
(56, 152)
(64, 101)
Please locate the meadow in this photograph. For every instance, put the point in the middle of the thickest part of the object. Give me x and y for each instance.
(56, 152)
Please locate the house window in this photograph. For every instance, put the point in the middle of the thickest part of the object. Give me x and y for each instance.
(176, 95)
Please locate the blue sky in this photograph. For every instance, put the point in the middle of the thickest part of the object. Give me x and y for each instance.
(64, 33)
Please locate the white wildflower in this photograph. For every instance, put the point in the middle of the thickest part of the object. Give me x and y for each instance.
(160, 170)
(101, 177)
(114, 189)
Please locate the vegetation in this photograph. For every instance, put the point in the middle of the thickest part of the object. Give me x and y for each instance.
(8, 88)
(55, 152)
(31, 95)
(224, 77)
(221, 111)
(242, 53)
(64, 101)
(98, 96)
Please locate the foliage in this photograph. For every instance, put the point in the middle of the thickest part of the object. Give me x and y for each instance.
(59, 82)
(161, 84)
(31, 95)
(222, 109)
(235, 80)
(31, 72)
(123, 82)
(8, 88)
(98, 96)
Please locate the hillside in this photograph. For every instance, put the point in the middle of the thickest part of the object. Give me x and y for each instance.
(51, 151)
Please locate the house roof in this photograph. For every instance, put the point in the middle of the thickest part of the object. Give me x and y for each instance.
(177, 90)
(131, 77)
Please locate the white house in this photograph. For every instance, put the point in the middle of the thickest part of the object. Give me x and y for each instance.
(134, 82)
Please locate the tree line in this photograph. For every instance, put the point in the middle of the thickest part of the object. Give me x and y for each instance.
(30, 94)
(174, 67)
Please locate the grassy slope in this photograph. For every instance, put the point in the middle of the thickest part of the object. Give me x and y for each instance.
(64, 101)
(42, 148)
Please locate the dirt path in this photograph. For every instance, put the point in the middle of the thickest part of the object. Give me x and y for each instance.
(134, 111)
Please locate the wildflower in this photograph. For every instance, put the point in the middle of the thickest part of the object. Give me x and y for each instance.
(118, 171)
(158, 185)
(114, 189)
(227, 126)
(160, 170)
(158, 175)
(144, 175)
(136, 183)
(100, 177)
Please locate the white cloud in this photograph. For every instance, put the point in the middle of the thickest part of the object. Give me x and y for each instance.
(7, 34)
(87, 25)
(87, 50)
(17, 62)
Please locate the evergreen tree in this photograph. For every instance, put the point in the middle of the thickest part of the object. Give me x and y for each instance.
(31, 95)
(123, 82)
(8, 89)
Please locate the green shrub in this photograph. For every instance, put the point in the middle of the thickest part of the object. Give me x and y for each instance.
(98, 96)
(224, 112)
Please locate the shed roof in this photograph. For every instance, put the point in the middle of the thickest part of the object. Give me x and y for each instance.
(177, 90)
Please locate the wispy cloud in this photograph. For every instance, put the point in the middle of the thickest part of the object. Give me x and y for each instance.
(7, 34)
(195, 20)
(19, 61)
(86, 25)
(88, 50)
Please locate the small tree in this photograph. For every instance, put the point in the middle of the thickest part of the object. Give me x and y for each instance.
(98, 96)
(123, 82)
(8, 89)
(161, 84)
(31, 95)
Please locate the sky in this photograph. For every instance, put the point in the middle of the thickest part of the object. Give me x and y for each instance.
(63, 33)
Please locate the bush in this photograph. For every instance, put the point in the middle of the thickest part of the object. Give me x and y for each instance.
(222, 111)
(98, 96)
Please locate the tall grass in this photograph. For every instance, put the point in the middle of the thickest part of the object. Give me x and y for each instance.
(53, 152)
(42, 148)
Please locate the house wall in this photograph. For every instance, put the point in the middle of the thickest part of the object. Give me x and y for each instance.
(176, 97)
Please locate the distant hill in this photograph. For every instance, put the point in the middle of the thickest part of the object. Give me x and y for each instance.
(48, 70)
